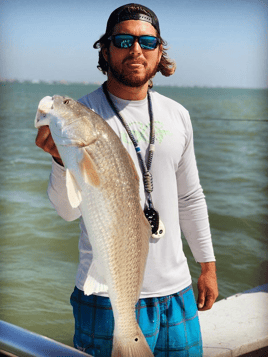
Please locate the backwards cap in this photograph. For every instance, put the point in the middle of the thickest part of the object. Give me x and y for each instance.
(132, 12)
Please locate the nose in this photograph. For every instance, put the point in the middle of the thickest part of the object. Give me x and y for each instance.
(135, 48)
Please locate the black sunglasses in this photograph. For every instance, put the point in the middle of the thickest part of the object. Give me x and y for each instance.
(127, 41)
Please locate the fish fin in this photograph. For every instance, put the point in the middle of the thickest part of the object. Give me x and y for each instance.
(135, 346)
(88, 169)
(73, 191)
(94, 283)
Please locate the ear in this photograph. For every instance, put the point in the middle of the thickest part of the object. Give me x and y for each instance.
(160, 49)
(104, 51)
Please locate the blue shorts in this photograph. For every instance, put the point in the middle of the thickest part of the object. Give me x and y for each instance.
(170, 324)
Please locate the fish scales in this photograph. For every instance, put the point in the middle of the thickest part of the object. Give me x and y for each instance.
(131, 250)
(101, 179)
(119, 194)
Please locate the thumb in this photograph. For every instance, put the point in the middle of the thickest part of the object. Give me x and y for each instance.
(201, 300)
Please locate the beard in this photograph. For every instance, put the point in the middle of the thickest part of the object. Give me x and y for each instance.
(131, 79)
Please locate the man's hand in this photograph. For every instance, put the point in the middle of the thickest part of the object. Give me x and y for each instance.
(45, 142)
(207, 286)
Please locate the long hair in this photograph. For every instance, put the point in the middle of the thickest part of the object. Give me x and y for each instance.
(166, 66)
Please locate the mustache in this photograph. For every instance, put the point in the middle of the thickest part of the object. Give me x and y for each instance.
(134, 60)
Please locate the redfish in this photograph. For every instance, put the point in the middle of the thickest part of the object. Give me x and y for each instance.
(102, 181)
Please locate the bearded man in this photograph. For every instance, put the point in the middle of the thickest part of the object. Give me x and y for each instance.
(131, 52)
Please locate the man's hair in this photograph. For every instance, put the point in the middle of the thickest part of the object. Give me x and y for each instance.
(166, 66)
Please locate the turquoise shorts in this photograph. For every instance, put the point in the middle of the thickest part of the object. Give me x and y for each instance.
(170, 324)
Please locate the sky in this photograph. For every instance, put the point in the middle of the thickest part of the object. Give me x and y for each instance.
(215, 43)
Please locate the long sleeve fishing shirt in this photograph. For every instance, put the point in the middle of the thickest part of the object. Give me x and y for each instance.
(177, 194)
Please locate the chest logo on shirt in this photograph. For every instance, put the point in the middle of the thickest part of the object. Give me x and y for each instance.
(141, 132)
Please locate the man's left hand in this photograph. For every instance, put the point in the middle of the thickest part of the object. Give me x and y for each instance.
(207, 286)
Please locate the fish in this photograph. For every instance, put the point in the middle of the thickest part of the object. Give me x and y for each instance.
(102, 180)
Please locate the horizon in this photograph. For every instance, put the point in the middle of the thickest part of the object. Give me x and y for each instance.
(85, 83)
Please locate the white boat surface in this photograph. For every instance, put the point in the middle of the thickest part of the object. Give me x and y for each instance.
(237, 325)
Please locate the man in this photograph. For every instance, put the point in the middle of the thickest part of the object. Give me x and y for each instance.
(131, 52)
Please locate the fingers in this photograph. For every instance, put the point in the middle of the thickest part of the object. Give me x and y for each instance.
(207, 291)
(45, 142)
(201, 300)
(206, 302)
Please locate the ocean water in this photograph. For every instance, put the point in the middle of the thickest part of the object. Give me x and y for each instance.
(39, 252)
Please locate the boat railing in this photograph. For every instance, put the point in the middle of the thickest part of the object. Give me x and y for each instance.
(16, 341)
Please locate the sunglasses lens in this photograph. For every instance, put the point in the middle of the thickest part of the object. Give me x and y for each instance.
(123, 41)
(126, 41)
(148, 42)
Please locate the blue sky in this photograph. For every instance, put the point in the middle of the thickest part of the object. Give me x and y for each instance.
(214, 43)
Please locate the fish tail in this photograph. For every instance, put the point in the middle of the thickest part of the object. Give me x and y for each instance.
(134, 347)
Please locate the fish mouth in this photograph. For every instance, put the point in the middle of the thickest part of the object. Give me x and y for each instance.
(46, 103)
(44, 107)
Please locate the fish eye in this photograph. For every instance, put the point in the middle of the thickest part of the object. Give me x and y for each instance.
(66, 101)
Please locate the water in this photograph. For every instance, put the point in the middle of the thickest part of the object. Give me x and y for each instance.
(39, 252)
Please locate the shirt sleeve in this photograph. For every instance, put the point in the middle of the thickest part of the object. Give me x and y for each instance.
(193, 211)
(57, 193)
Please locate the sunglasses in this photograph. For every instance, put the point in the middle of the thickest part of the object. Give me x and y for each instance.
(127, 41)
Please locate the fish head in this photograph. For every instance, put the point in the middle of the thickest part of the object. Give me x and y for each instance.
(57, 109)
(66, 119)
(66, 110)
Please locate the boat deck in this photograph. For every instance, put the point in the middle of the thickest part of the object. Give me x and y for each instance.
(238, 325)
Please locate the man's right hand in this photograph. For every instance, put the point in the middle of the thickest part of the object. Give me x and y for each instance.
(45, 142)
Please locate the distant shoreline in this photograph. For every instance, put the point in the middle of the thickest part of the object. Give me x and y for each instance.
(64, 82)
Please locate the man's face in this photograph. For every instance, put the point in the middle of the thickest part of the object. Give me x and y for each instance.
(133, 66)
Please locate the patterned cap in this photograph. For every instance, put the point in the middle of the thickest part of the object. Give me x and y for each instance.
(132, 12)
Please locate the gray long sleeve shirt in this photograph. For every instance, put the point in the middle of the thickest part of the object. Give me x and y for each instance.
(177, 194)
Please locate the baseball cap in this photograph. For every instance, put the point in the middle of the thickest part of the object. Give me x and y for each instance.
(132, 11)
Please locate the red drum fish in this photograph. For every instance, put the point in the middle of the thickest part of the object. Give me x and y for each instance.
(102, 181)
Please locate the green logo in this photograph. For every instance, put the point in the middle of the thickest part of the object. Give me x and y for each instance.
(143, 132)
